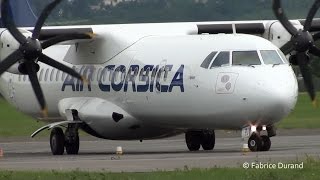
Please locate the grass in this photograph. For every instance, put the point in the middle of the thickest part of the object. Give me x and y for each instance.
(310, 171)
(304, 115)
(16, 124)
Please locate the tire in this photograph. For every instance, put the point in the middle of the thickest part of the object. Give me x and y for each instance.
(57, 141)
(193, 139)
(255, 143)
(266, 143)
(73, 147)
(208, 140)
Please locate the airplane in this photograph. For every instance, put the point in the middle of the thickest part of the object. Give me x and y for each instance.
(157, 80)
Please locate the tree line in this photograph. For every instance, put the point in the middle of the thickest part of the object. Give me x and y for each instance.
(147, 11)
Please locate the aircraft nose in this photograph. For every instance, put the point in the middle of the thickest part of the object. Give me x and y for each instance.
(283, 98)
(279, 96)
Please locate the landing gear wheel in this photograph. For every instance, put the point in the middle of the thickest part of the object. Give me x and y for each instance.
(208, 140)
(72, 139)
(73, 147)
(193, 139)
(266, 143)
(57, 141)
(255, 142)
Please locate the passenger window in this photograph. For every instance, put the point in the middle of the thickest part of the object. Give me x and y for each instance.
(116, 75)
(144, 74)
(271, 57)
(46, 75)
(223, 59)
(41, 75)
(166, 70)
(154, 72)
(245, 58)
(93, 74)
(99, 74)
(52, 74)
(136, 72)
(63, 77)
(111, 71)
(206, 63)
(105, 75)
(159, 75)
(141, 76)
(58, 74)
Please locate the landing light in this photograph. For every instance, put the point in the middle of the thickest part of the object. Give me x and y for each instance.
(253, 128)
(264, 128)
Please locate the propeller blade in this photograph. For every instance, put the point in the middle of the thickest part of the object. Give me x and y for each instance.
(51, 62)
(287, 48)
(316, 37)
(311, 14)
(9, 61)
(315, 50)
(32, 72)
(44, 15)
(279, 12)
(62, 38)
(305, 70)
(9, 24)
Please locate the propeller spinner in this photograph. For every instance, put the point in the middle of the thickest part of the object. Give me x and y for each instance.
(30, 50)
(302, 42)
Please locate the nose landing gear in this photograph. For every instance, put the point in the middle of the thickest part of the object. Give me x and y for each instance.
(259, 142)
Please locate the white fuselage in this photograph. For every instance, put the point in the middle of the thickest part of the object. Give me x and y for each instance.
(184, 96)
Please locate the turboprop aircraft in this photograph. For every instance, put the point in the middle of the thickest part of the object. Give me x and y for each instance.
(149, 81)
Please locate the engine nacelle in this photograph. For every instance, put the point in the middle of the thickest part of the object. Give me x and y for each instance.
(8, 45)
(277, 34)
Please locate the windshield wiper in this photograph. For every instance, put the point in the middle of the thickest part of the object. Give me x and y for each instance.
(252, 65)
(276, 65)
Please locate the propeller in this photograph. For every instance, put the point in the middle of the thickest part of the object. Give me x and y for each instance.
(302, 42)
(30, 50)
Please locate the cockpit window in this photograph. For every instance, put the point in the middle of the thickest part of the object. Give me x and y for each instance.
(205, 64)
(245, 58)
(271, 57)
(284, 58)
(222, 59)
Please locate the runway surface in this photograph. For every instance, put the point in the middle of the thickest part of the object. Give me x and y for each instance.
(165, 154)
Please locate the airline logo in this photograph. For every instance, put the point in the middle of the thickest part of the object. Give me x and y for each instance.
(226, 83)
(116, 78)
